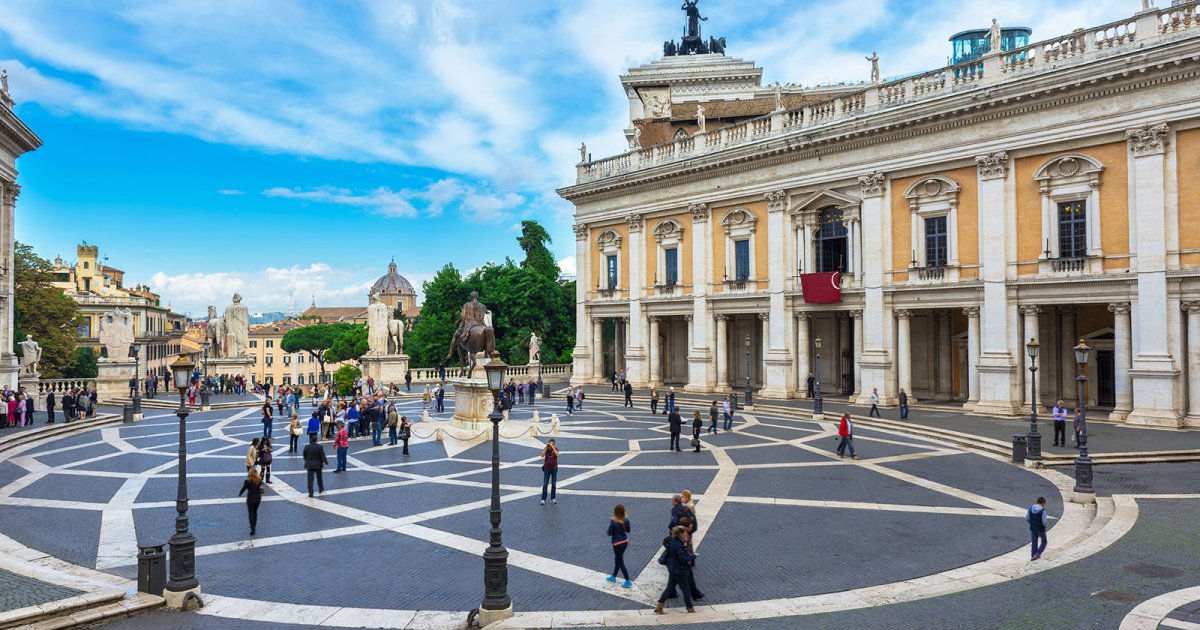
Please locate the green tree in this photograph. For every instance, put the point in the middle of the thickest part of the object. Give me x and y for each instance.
(85, 365)
(429, 340)
(349, 346)
(535, 241)
(314, 340)
(344, 378)
(42, 310)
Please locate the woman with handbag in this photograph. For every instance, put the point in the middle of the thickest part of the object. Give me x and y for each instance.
(294, 433)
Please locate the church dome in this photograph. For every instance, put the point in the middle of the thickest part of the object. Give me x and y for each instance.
(392, 282)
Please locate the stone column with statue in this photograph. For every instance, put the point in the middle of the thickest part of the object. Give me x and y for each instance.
(230, 339)
(385, 360)
(115, 368)
(31, 355)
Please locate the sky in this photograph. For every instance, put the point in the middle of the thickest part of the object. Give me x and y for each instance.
(289, 150)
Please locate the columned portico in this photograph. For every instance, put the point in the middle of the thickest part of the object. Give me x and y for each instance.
(722, 351)
(904, 351)
(655, 354)
(856, 317)
(972, 313)
(1031, 314)
(596, 351)
(1122, 354)
(803, 362)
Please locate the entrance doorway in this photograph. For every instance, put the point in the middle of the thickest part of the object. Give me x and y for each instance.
(1106, 395)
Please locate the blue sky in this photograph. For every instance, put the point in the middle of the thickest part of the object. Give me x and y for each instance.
(293, 148)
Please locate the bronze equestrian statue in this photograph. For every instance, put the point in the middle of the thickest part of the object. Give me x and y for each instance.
(474, 334)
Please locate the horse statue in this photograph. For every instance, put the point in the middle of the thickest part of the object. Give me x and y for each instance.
(474, 334)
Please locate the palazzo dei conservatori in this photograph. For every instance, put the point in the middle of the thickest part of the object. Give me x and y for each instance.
(924, 228)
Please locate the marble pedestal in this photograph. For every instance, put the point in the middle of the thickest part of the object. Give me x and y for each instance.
(386, 369)
(472, 403)
(29, 380)
(112, 379)
(232, 366)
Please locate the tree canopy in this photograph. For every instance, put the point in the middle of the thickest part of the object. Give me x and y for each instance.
(314, 340)
(44, 311)
(349, 346)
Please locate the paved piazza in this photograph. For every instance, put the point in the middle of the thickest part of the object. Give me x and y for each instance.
(787, 527)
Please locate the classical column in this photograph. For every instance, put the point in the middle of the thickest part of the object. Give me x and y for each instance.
(1155, 374)
(1192, 309)
(1122, 355)
(655, 354)
(856, 316)
(1031, 314)
(843, 346)
(765, 318)
(803, 366)
(777, 354)
(876, 362)
(582, 356)
(722, 350)
(945, 356)
(999, 391)
(1066, 352)
(635, 354)
(598, 353)
(904, 350)
(8, 360)
(972, 313)
(700, 355)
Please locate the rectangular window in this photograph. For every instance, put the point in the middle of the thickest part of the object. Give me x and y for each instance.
(935, 242)
(85, 327)
(270, 360)
(270, 343)
(299, 358)
(611, 264)
(253, 343)
(287, 359)
(741, 260)
(1072, 229)
(671, 257)
(287, 380)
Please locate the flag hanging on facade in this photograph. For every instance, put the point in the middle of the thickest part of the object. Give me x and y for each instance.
(821, 288)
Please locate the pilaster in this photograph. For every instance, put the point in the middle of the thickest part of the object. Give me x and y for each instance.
(582, 355)
(700, 356)
(8, 360)
(1192, 312)
(777, 360)
(998, 389)
(635, 343)
(876, 363)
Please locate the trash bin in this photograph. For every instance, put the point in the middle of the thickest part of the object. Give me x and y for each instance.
(127, 412)
(1018, 454)
(152, 569)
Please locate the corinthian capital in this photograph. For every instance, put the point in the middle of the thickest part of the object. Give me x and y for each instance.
(992, 165)
(871, 184)
(581, 231)
(1148, 139)
(635, 222)
(699, 212)
(776, 201)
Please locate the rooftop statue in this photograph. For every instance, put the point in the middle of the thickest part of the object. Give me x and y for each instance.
(693, 18)
(874, 59)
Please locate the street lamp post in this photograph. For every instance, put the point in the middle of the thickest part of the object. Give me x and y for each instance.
(1033, 441)
(818, 404)
(749, 394)
(135, 352)
(1083, 464)
(204, 381)
(182, 587)
(496, 604)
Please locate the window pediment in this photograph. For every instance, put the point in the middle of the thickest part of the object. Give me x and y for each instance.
(668, 230)
(739, 220)
(1069, 168)
(809, 207)
(609, 239)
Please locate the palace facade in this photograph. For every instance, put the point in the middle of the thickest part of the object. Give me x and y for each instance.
(1048, 191)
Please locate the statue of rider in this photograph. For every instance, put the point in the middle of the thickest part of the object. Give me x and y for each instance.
(473, 314)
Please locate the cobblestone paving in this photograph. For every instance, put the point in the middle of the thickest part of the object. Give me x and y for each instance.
(18, 591)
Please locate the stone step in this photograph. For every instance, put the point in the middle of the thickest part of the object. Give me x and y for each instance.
(58, 429)
(30, 615)
(123, 607)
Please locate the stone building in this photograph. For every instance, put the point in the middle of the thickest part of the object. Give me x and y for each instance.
(1048, 191)
(274, 366)
(396, 291)
(15, 140)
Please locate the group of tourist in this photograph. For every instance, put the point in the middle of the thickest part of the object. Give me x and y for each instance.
(224, 383)
(575, 398)
(678, 554)
(17, 406)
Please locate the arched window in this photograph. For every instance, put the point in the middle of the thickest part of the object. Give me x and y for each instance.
(832, 241)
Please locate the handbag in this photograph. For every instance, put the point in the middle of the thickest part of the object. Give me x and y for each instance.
(695, 442)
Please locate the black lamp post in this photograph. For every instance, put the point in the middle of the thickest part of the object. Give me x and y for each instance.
(1033, 441)
(749, 394)
(135, 352)
(182, 585)
(204, 381)
(818, 404)
(1083, 463)
(496, 602)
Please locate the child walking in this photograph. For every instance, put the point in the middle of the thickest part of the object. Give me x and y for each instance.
(618, 531)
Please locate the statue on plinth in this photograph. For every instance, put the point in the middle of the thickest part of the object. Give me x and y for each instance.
(693, 18)
(474, 333)
(237, 328)
(31, 355)
(535, 349)
(214, 332)
(700, 120)
(994, 36)
(377, 328)
(116, 333)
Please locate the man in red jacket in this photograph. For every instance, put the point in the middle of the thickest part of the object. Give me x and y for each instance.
(846, 432)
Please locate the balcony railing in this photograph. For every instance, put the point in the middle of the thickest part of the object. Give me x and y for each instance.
(607, 293)
(736, 285)
(666, 289)
(931, 272)
(1061, 265)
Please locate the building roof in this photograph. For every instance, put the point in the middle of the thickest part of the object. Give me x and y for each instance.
(276, 328)
(335, 313)
(392, 282)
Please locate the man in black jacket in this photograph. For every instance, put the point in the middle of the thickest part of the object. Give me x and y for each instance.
(676, 424)
(314, 461)
(50, 407)
(628, 394)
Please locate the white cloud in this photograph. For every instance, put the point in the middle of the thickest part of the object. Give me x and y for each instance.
(380, 201)
(478, 206)
(230, 192)
(567, 265)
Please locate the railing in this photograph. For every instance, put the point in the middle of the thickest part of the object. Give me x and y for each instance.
(666, 289)
(556, 372)
(606, 293)
(1059, 265)
(115, 300)
(931, 272)
(1077, 47)
(735, 285)
(60, 385)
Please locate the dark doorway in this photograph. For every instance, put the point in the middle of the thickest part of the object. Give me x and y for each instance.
(1106, 395)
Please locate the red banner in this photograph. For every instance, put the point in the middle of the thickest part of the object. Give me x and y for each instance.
(821, 288)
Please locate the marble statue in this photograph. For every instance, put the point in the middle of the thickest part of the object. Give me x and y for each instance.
(1146, 6)
(237, 328)
(535, 349)
(214, 332)
(778, 97)
(395, 331)
(874, 59)
(636, 143)
(377, 328)
(31, 355)
(582, 152)
(994, 36)
(116, 333)
(4, 81)
(700, 117)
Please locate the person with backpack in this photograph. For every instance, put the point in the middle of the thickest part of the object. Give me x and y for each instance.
(618, 532)
(550, 471)
(1038, 522)
(265, 458)
(675, 557)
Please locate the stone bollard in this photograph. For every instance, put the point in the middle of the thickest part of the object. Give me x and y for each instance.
(439, 435)
(425, 416)
(554, 424)
(536, 416)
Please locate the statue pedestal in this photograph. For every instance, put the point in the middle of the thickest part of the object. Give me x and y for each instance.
(472, 403)
(30, 380)
(112, 380)
(386, 369)
(232, 366)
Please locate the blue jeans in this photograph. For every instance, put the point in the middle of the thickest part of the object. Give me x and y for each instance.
(713, 426)
(1036, 538)
(844, 444)
(341, 457)
(377, 434)
(903, 411)
(352, 428)
(728, 422)
(267, 428)
(392, 436)
(549, 478)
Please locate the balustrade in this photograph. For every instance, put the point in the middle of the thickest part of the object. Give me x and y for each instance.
(60, 385)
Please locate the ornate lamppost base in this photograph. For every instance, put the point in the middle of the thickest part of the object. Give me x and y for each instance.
(487, 617)
(182, 600)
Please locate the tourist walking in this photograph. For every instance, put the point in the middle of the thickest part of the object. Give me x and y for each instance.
(441, 398)
(712, 417)
(678, 563)
(811, 380)
(408, 380)
(265, 458)
(342, 443)
(1059, 413)
(266, 419)
(874, 402)
(294, 433)
(314, 426)
(393, 421)
(570, 402)
(670, 401)
(846, 435)
(579, 398)
(675, 423)
(728, 411)
(252, 454)
(550, 472)
(697, 425)
(628, 394)
(314, 462)
(1038, 522)
(252, 488)
(903, 398)
(426, 398)
(50, 407)
(616, 381)
(653, 400)
(618, 533)
(1079, 420)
